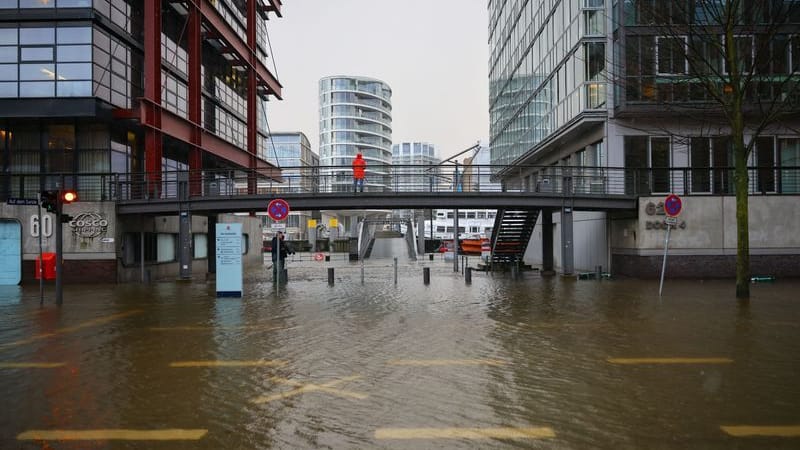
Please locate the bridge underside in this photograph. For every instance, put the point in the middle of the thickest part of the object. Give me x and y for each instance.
(320, 201)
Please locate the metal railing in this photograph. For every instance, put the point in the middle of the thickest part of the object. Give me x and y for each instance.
(536, 180)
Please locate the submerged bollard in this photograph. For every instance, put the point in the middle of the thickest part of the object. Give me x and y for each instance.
(330, 276)
(362, 271)
(599, 270)
(468, 275)
(430, 256)
(395, 270)
(426, 275)
(514, 271)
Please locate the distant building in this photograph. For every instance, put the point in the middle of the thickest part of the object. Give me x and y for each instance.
(291, 152)
(355, 116)
(415, 154)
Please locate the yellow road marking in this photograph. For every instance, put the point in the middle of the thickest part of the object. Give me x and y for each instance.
(212, 328)
(93, 322)
(308, 387)
(113, 434)
(446, 362)
(670, 360)
(757, 430)
(256, 363)
(465, 433)
(29, 365)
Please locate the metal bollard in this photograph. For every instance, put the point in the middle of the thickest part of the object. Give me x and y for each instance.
(426, 275)
(599, 270)
(362, 271)
(468, 275)
(430, 256)
(514, 272)
(330, 276)
(395, 270)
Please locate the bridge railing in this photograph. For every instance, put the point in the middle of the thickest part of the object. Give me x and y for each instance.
(336, 180)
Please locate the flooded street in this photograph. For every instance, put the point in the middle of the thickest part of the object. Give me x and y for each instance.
(498, 363)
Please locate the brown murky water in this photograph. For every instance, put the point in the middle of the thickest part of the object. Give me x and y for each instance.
(530, 363)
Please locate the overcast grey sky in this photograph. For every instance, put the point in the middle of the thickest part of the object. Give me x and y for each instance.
(432, 53)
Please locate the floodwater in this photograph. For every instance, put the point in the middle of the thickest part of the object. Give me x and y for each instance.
(537, 362)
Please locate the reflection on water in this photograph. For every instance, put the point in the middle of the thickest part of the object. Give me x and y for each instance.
(549, 340)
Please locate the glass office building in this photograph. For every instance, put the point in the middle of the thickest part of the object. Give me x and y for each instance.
(355, 116)
(581, 89)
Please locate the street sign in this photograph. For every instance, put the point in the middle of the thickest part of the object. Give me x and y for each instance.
(22, 201)
(673, 205)
(671, 220)
(278, 209)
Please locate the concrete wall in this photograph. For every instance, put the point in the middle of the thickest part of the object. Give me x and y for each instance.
(704, 243)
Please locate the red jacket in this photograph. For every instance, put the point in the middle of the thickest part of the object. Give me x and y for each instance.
(358, 167)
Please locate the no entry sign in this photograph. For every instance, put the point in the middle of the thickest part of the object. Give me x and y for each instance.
(672, 205)
(278, 209)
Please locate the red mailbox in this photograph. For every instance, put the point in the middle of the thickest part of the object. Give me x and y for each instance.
(49, 266)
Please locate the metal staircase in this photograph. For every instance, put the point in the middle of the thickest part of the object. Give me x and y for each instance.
(511, 233)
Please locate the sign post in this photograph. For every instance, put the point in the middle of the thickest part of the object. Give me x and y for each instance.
(672, 208)
(278, 210)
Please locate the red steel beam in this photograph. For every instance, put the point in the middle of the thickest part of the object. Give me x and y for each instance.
(181, 129)
(195, 100)
(151, 113)
(245, 53)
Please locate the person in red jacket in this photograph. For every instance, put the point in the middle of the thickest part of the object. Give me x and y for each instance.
(359, 164)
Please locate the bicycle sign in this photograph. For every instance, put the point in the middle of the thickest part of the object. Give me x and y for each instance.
(278, 209)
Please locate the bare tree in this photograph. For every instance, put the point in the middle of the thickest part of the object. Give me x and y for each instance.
(736, 62)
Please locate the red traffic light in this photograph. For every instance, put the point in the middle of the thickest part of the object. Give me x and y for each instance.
(69, 196)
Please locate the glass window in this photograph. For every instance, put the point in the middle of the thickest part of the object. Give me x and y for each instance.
(165, 251)
(8, 54)
(36, 53)
(8, 89)
(8, 72)
(700, 161)
(37, 89)
(765, 160)
(671, 55)
(789, 149)
(74, 35)
(660, 163)
(68, 53)
(74, 71)
(8, 36)
(42, 72)
(200, 245)
(74, 88)
(37, 36)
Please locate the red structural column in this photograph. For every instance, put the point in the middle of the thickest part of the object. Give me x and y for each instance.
(252, 106)
(153, 149)
(195, 100)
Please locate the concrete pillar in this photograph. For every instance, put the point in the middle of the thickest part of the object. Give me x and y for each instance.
(567, 251)
(185, 252)
(420, 235)
(547, 241)
(185, 247)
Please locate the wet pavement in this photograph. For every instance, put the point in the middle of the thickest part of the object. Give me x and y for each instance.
(498, 363)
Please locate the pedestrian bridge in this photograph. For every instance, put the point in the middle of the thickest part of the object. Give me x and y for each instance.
(386, 187)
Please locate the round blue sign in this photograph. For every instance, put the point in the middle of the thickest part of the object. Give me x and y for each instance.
(672, 205)
(278, 209)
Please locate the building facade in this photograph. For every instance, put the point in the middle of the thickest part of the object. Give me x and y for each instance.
(415, 154)
(584, 88)
(355, 116)
(142, 89)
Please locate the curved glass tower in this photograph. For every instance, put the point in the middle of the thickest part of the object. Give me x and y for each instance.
(355, 116)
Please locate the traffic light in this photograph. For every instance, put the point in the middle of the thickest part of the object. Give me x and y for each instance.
(68, 196)
(49, 201)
